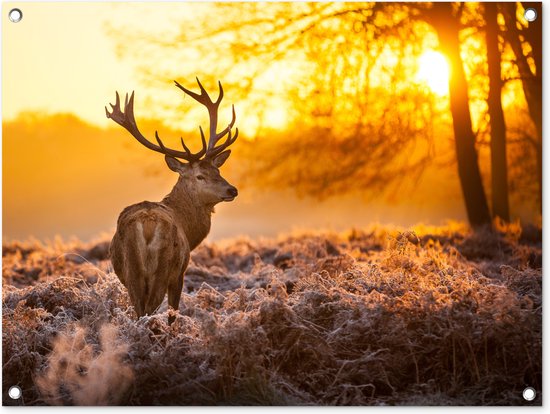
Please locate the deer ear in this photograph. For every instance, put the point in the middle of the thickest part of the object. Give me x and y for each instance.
(174, 164)
(221, 158)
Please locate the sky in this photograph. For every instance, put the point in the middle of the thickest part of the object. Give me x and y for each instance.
(51, 70)
(59, 57)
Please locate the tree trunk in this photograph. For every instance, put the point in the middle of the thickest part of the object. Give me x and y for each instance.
(531, 82)
(447, 27)
(499, 170)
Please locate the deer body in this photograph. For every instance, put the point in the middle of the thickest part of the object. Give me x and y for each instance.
(149, 253)
(151, 247)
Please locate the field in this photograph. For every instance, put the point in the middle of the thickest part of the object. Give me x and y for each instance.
(379, 316)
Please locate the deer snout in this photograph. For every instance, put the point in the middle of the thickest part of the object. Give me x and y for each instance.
(232, 192)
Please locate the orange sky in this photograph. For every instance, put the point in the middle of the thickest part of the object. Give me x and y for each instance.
(60, 59)
(70, 64)
(55, 58)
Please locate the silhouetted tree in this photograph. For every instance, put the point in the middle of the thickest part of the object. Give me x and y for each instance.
(526, 43)
(499, 170)
(445, 18)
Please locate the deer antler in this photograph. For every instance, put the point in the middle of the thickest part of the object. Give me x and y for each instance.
(127, 120)
(212, 107)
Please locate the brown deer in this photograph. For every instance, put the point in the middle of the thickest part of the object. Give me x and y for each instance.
(153, 240)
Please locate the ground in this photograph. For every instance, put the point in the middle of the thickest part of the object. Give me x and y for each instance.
(380, 316)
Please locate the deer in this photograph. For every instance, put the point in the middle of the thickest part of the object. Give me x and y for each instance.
(151, 247)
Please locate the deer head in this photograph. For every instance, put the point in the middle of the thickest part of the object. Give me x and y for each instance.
(200, 170)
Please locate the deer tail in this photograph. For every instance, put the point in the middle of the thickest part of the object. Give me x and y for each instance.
(148, 248)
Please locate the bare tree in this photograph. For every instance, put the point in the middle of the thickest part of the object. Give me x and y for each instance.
(499, 167)
(526, 43)
(445, 18)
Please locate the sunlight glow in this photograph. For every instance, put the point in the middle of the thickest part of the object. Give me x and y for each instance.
(276, 118)
(433, 70)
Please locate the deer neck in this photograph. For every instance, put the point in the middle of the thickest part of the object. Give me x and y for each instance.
(190, 215)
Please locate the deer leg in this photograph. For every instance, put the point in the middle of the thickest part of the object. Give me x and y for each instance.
(135, 290)
(156, 292)
(174, 294)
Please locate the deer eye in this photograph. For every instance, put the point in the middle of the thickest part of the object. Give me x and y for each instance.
(200, 177)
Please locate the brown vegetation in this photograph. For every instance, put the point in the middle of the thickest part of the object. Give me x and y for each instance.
(438, 316)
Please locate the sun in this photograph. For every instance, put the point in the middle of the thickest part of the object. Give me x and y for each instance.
(433, 70)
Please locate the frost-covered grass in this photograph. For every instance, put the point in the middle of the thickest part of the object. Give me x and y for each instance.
(428, 316)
